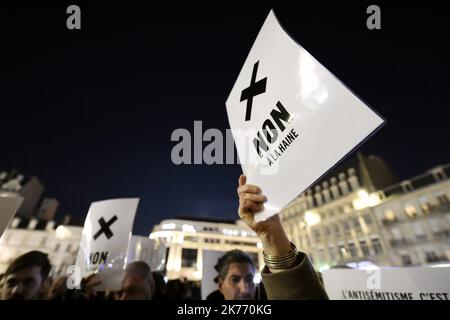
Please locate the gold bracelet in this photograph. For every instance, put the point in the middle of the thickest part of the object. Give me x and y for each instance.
(284, 261)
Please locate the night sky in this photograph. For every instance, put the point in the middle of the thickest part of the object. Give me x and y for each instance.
(91, 112)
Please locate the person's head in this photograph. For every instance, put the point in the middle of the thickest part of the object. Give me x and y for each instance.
(26, 277)
(236, 273)
(138, 282)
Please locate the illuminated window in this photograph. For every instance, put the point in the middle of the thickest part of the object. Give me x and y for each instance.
(425, 208)
(389, 215)
(342, 252)
(411, 211)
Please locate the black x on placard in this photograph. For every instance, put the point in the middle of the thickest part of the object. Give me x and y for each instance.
(105, 228)
(255, 88)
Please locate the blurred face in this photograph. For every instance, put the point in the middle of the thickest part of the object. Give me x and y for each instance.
(238, 284)
(25, 284)
(135, 287)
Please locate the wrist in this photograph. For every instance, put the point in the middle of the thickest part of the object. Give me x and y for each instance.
(275, 244)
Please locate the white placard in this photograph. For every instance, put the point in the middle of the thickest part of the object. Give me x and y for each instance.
(140, 249)
(311, 118)
(8, 208)
(104, 241)
(414, 283)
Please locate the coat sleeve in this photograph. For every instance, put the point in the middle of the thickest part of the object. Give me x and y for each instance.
(298, 283)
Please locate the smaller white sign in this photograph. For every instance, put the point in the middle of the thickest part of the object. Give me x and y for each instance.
(104, 241)
(8, 208)
(414, 283)
(140, 249)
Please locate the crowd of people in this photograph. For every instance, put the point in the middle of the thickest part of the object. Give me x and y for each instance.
(288, 273)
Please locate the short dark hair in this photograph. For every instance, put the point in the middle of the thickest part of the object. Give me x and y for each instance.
(233, 256)
(31, 259)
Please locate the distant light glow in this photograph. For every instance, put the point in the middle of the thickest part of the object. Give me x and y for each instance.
(168, 226)
(312, 218)
(257, 278)
(188, 228)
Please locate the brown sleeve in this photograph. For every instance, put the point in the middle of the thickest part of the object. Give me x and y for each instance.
(298, 283)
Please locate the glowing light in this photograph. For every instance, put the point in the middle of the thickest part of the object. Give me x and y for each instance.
(312, 218)
(365, 200)
(259, 245)
(188, 228)
(168, 226)
(363, 265)
(63, 233)
(441, 265)
(160, 234)
(257, 278)
(324, 267)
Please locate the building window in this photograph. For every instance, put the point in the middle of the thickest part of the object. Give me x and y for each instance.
(327, 231)
(389, 217)
(189, 258)
(356, 224)
(368, 219)
(342, 251)
(443, 201)
(317, 234)
(406, 260)
(332, 251)
(411, 211)
(57, 247)
(431, 256)
(346, 227)
(336, 230)
(425, 208)
(352, 250)
(377, 246)
(191, 239)
(364, 248)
